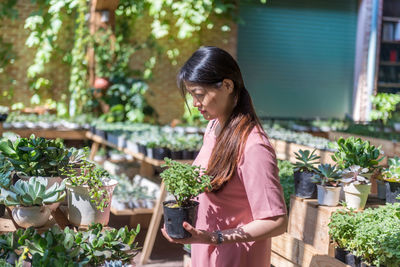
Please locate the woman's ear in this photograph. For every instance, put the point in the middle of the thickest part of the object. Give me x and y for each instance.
(228, 84)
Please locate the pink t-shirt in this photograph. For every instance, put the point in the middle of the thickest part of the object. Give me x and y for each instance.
(254, 193)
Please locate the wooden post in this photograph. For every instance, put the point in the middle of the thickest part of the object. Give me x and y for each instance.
(153, 227)
(93, 150)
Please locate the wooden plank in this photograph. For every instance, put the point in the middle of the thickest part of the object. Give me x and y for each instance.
(49, 133)
(290, 251)
(153, 228)
(279, 261)
(127, 212)
(93, 150)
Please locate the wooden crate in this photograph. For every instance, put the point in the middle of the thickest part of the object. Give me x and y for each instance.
(308, 221)
(288, 251)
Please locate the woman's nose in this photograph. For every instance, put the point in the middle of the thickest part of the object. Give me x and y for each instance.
(196, 102)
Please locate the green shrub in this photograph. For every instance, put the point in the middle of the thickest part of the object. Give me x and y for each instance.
(286, 179)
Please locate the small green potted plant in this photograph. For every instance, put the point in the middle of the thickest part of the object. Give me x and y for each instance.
(89, 193)
(358, 160)
(30, 199)
(184, 182)
(392, 177)
(327, 180)
(304, 171)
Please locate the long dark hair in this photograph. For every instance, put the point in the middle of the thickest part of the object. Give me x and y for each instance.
(209, 66)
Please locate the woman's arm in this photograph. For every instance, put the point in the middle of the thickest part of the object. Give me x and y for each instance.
(255, 230)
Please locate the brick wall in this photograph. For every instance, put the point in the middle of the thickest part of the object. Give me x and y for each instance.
(165, 97)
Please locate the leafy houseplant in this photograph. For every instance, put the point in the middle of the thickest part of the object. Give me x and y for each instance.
(184, 182)
(304, 170)
(30, 198)
(355, 151)
(56, 247)
(36, 156)
(392, 177)
(89, 194)
(327, 180)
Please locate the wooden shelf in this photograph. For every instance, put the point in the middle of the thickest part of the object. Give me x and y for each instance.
(389, 63)
(382, 84)
(138, 156)
(131, 211)
(390, 42)
(47, 133)
(391, 19)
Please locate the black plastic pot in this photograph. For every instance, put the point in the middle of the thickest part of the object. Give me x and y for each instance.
(3, 117)
(186, 154)
(352, 260)
(160, 153)
(101, 133)
(92, 129)
(174, 218)
(176, 155)
(303, 185)
(2, 210)
(392, 192)
(340, 254)
(142, 149)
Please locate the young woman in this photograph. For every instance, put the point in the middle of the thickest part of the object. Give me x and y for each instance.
(245, 207)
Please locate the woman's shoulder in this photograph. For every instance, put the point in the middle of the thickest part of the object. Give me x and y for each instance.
(257, 137)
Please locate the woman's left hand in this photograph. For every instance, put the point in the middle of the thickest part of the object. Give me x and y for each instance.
(198, 236)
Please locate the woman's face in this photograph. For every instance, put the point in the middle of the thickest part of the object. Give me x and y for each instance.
(213, 103)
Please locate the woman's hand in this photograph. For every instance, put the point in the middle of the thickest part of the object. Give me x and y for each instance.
(198, 236)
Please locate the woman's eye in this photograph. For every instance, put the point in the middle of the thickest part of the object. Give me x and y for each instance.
(199, 95)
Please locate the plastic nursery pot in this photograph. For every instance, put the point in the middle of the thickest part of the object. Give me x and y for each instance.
(2, 210)
(149, 152)
(50, 182)
(187, 154)
(174, 218)
(35, 216)
(112, 138)
(82, 211)
(328, 195)
(3, 117)
(101, 133)
(176, 155)
(352, 260)
(340, 254)
(381, 189)
(303, 185)
(142, 149)
(356, 195)
(161, 152)
(392, 192)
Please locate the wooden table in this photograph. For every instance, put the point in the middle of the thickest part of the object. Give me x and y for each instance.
(47, 133)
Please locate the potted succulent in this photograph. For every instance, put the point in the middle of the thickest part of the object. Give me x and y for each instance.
(30, 199)
(304, 171)
(184, 182)
(328, 179)
(356, 186)
(33, 157)
(89, 194)
(358, 158)
(3, 113)
(392, 177)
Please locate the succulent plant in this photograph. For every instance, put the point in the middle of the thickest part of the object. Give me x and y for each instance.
(356, 175)
(32, 193)
(392, 173)
(327, 175)
(306, 161)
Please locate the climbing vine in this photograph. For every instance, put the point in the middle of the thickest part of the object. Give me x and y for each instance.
(171, 21)
(7, 54)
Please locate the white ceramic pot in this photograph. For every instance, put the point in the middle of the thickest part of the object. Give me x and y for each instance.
(35, 216)
(328, 195)
(50, 182)
(356, 195)
(82, 211)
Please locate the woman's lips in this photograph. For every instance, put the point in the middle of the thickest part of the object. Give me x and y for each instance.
(202, 111)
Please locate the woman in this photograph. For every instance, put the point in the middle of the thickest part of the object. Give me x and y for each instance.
(245, 207)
